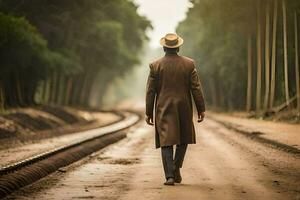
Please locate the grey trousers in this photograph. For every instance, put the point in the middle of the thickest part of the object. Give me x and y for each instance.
(169, 162)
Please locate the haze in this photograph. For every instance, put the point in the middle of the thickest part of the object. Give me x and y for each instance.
(164, 16)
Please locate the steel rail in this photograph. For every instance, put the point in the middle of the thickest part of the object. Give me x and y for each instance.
(129, 120)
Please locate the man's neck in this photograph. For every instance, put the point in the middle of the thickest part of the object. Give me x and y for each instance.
(171, 53)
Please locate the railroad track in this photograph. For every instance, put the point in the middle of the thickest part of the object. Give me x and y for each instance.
(29, 170)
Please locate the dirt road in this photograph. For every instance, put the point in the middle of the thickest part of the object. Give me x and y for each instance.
(222, 165)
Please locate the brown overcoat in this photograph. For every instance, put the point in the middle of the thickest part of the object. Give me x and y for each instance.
(171, 82)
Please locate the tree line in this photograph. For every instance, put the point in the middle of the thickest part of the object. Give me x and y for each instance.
(66, 52)
(247, 52)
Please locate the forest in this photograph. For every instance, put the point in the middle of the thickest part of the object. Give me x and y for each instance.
(66, 52)
(247, 53)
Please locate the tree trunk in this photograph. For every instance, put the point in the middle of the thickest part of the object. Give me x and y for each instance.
(57, 88)
(249, 80)
(2, 98)
(297, 62)
(286, 72)
(259, 59)
(48, 89)
(19, 90)
(273, 59)
(267, 58)
(68, 91)
(82, 93)
(76, 87)
(45, 90)
(53, 87)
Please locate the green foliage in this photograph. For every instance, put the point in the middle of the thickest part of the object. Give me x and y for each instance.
(217, 33)
(77, 40)
(18, 39)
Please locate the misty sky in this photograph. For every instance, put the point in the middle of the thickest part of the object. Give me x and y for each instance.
(164, 16)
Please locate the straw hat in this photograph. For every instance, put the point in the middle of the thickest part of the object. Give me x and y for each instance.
(171, 40)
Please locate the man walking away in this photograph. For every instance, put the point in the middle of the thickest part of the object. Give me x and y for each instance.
(172, 81)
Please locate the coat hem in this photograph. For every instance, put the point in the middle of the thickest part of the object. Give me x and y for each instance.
(157, 147)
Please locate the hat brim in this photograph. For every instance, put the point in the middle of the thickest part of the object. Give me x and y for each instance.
(179, 43)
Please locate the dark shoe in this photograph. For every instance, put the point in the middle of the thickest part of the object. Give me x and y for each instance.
(177, 175)
(170, 181)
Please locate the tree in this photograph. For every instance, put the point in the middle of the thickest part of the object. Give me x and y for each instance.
(88, 39)
(285, 49)
(259, 59)
(221, 32)
(25, 59)
(273, 59)
(297, 61)
(249, 77)
(267, 57)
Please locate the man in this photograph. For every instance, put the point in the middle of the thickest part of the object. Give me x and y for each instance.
(171, 81)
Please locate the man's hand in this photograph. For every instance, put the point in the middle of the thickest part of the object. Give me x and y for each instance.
(149, 120)
(201, 117)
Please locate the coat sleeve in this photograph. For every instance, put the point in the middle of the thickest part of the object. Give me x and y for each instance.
(150, 92)
(196, 90)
